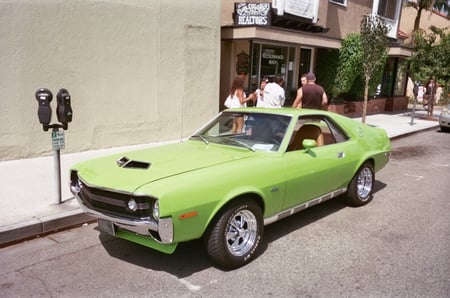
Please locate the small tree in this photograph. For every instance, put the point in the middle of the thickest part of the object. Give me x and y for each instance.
(422, 61)
(431, 58)
(374, 51)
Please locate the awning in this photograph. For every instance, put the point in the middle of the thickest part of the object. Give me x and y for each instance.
(277, 34)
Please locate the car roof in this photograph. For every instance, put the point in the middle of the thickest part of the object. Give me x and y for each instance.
(280, 111)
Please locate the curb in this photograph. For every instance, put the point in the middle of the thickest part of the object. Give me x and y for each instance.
(413, 132)
(14, 233)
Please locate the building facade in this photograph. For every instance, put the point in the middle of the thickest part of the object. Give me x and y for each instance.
(292, 37)
(148, 71)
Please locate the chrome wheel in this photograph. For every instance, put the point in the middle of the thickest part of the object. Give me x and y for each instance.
(361, 187)
(364, 184)
(241, 232)
(233, 238)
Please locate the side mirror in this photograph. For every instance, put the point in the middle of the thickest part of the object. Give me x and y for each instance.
(309, 143)
(44, 97)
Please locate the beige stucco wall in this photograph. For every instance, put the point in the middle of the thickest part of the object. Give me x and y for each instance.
(344, 20)
(138, 71)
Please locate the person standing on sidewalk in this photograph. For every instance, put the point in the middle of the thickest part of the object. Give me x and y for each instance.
(303, 80)
(236, 99)
(430, 94)
(274, 95)
(310, 95)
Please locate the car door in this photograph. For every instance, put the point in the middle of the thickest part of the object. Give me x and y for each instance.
(314, 172)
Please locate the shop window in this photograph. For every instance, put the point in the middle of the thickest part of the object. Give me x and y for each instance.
(268, 61)
(401, 77)
(394, 78)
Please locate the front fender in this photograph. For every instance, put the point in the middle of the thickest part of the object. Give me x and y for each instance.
(193, 199)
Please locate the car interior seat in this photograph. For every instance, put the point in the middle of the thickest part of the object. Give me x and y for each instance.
(307, 131)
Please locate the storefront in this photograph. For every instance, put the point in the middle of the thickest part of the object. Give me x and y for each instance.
(260, 43)
(255, 47)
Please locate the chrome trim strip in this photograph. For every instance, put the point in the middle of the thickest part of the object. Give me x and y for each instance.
(298, 208)
(164, 227)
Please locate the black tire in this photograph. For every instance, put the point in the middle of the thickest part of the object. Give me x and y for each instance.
(361, 187)
(445, 129)
(234, 236)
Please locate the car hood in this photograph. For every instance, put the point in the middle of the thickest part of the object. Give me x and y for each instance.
(162, 162)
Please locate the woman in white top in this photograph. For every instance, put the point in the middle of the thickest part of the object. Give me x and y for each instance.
(236, 99)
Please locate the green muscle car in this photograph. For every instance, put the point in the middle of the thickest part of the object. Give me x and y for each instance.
(224, 186)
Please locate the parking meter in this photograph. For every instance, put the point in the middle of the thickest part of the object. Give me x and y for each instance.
(63, 110)
(44, 97)
(64, 114)
(416, 89)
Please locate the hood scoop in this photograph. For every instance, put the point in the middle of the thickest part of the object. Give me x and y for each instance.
(125, 162)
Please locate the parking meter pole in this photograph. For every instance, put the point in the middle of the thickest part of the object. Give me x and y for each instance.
(64, 114)
(416, 92)
(413, 110)
(431, 104)
(57, 164)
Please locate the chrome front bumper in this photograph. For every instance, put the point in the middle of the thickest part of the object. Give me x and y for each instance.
(163, 227)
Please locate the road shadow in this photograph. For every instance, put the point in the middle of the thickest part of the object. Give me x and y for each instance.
(191, 257)
(188, 258)
(290, 224)
(302, 219)
(378, 185)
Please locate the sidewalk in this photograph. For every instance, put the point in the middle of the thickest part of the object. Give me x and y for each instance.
(28, 186)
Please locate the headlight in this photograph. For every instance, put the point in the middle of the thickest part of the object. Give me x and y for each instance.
(132, 205)
(155, 211)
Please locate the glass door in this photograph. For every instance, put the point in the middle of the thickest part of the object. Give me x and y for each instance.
(268, 60)
(305, 61)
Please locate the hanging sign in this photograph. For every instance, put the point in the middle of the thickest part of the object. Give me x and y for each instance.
(252, 14)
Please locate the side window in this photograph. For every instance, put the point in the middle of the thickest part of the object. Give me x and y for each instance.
(317, 128)
(337, 134)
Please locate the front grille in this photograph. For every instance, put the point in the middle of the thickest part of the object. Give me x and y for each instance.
(113, 203)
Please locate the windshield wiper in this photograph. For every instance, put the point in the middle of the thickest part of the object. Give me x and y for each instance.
(241, 143)
(202, 138)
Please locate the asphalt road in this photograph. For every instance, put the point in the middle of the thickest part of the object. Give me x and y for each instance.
(398, 245)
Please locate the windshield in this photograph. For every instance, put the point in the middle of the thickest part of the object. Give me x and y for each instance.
(259, 131)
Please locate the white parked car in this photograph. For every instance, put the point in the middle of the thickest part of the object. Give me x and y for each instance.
(444, 119)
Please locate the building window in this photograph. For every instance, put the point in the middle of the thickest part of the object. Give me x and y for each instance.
(340, 2)
(386, 8)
